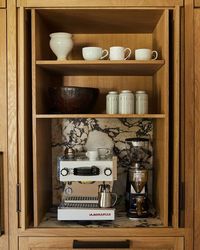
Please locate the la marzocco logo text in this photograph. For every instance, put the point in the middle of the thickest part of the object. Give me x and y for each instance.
(100, 214)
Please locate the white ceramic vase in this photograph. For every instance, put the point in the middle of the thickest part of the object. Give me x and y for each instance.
(61, 44)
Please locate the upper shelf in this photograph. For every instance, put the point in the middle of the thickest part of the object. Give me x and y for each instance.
(104, 67)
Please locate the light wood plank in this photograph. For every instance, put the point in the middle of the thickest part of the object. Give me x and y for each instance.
(24, 117)
(109, 232)
(161, 127)
(65, 116)
(176, 115)
(3, 134)
(3, 82)
(12, 122)
(103, 3)
(80, 67)
(136, 243)
(189, 124)
(197, 127)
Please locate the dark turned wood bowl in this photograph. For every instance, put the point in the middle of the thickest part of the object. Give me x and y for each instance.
(72, 100)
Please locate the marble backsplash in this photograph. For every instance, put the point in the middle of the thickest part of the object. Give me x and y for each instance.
(91, 133)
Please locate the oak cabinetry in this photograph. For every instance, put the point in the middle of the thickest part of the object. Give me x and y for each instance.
(36, 24)
(150, 28)
(136, 243)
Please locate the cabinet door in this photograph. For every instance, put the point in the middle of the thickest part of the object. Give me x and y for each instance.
(3, 135)
(136, 243)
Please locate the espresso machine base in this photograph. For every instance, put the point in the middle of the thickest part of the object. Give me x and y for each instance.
(84, 214)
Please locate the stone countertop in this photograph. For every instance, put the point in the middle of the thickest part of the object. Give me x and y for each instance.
(121, 221)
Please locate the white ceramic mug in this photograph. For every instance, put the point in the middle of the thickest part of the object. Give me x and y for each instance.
(92, 155)
(146, 54)
(104, 153)
(94, 53)
(119, 53)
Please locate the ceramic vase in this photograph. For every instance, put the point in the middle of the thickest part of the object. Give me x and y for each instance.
(61, 44)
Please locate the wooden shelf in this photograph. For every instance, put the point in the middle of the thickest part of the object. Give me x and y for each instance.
(102, 67)
(66, 116)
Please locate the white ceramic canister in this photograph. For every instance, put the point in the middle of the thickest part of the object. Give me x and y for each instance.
(126, 102)
(141, 102)
(61, 44)
(112, 102)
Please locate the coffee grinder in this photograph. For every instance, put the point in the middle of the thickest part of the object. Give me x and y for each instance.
(137, 177)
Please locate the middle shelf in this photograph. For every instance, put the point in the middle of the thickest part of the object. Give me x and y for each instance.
(65, 116)
(103, 67)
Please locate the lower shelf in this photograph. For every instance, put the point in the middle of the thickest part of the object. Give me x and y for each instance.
(121, 221)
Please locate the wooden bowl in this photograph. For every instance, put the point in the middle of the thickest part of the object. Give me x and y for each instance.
(72, 100)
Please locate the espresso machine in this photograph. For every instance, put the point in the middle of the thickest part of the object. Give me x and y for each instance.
(137, 202)
(88, 188)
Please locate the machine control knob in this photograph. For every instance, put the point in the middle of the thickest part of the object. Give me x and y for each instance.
(107, 171)
(64, 172)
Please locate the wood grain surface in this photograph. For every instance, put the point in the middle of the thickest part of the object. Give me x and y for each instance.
(3, 134)
(136, 243)
(12, 122)
(197, 127)
(103, 3)
(2, 3)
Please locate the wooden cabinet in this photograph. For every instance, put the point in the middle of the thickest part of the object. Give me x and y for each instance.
(150, 28)
(156, 28)
(136, 243)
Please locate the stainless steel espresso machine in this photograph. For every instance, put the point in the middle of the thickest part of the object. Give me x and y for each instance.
(137, 202)
(88, 188)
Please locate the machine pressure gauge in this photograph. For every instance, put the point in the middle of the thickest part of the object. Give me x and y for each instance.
(107, 171)
(64, 172)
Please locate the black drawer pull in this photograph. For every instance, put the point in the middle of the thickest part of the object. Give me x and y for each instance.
(101, 244)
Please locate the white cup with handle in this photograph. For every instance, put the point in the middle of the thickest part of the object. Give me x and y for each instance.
(92, 155)
(119, 53)
(146, 54)
(94, 53)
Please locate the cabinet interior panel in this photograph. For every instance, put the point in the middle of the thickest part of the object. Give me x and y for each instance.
(88, 20)
(160, 143)
(161, 78)
(108, 83)
(42, 172)
(41, 83)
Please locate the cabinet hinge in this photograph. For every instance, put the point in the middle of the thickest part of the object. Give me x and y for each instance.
(18, 198)
(182, 196)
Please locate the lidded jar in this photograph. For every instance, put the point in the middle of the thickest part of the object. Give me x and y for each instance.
(112, 102)
(61, 44)
(141, 102)
(126, 102)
